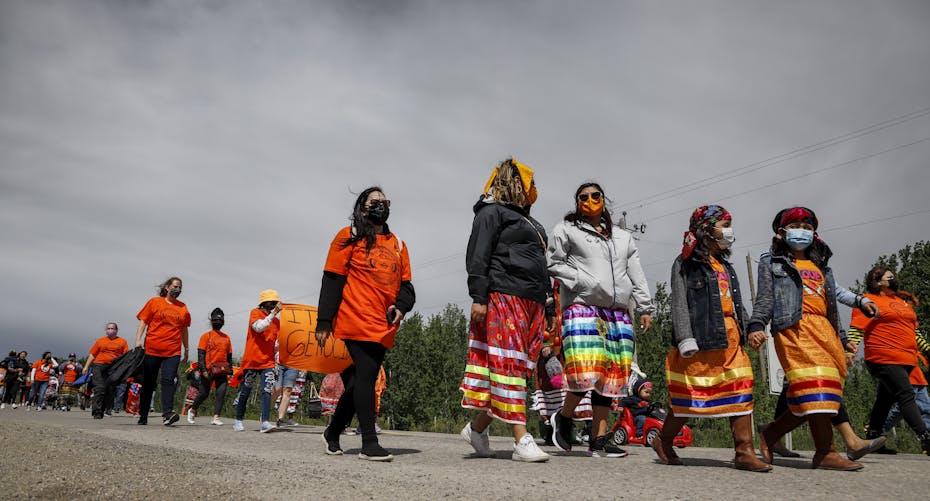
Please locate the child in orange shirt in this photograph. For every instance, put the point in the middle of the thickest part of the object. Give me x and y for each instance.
(258, 359)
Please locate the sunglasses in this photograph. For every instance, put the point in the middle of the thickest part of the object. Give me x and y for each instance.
(594, 196)
(373, 203)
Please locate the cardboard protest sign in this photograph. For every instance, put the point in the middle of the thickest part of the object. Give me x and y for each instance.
(297, 346)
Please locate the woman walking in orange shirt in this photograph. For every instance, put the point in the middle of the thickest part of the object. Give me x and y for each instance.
(890, 353)
(102, 353)
(366, 292)
(214, 356)
(163, 321)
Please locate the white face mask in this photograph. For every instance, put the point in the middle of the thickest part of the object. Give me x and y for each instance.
(725, 241)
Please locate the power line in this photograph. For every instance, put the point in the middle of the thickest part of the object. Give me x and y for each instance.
(811, 173)
(701, 183)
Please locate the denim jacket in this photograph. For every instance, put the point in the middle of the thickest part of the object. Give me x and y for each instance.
(697, 314)
(780, 295)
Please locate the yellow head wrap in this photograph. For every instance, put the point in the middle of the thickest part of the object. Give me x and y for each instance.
(526, 177)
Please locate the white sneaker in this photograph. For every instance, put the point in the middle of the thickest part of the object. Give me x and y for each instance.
(237, 426)
(191, 416)
(2, 406)
(15, 406)
(527, 450)
(216, 422)
(267, 426)
(478, 441)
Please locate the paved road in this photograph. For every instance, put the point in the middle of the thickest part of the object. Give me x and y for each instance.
(55, 455)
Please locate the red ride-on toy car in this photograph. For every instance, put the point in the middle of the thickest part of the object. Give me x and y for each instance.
(624, 430)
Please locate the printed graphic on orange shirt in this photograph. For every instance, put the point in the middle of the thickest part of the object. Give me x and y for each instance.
(813, 282)
(297, 346)
(723, 283)
(385, 265)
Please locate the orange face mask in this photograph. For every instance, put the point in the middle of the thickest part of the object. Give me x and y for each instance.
(531, 196)
(591, 207)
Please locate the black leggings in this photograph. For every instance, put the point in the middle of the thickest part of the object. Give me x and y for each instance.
(12, 390)
(597, 400)
(781, 407)
(359, 395)
(203, 385)
(169, 382)
(894, 386)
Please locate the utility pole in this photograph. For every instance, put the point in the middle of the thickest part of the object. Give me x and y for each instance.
(763, 363)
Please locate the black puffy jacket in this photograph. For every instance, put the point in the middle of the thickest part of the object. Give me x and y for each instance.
(506, 253)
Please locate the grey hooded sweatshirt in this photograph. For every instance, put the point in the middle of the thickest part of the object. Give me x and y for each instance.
(597, 271)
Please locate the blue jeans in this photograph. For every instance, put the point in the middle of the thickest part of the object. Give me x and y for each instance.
(245, 389)
(120, 397)
(923, 403)
(639, 421)
(37, 393)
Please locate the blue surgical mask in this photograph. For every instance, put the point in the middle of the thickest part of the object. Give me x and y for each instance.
(799, 238)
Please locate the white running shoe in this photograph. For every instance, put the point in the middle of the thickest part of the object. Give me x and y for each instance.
(527, 450)
(2, 406)
(216, 422)
(191, 416)
(238, 426)
(268, 426)
(478, 441)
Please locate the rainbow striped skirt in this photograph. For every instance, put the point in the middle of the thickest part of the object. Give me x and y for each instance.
(598, 346)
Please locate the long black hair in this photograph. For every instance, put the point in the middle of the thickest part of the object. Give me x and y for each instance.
(576, 215)
(361, 226)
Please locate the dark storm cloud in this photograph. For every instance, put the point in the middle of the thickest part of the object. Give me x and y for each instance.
(224, 142)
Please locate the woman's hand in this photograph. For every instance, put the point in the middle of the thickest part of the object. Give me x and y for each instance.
(394, 315)
(645, 323)
(479, 313)
(756, 339)
(322, 336)
(870, 309)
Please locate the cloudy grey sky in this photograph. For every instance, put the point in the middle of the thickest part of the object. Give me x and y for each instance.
(223, 141)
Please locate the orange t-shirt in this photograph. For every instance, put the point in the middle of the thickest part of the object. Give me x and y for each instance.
(259, 346)
(69, 371)
(889, 337)
(814, 284)
(166, 322)
(42, 370)
(216, 345)
(372, 283)
(105, 349)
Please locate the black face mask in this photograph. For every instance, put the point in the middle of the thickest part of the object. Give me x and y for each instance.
(378, 214)
(174, 292)
(217, 325)
(893, 284)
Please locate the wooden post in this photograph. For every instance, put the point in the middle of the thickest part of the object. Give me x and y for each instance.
(763, 362)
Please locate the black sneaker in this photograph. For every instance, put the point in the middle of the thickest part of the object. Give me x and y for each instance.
(332, 446)
(562, 431)
(281, 423)
(143, 420)
(98, 416)
(602, 447)
(170, 419)
(374, 452)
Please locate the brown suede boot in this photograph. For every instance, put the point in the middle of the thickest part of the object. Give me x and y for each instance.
(745, 458)
(662, 444)
(772, 433)
(826, 457)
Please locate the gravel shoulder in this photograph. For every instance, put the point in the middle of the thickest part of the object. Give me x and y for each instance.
(55, 455)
